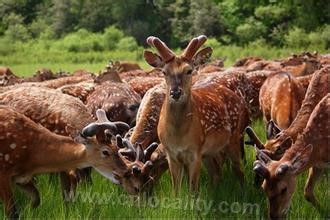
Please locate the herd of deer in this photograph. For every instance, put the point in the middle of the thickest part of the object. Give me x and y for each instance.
(132, 125)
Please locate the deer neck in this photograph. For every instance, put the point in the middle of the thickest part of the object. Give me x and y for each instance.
(59, 154)
(178, 114)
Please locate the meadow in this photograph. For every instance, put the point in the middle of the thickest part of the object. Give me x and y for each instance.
(103, 199)
(229, 200)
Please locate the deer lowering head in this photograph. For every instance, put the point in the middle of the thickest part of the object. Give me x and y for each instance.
(28, 149)
(177, 69)
(278, 140)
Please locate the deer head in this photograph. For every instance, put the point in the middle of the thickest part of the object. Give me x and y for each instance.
(96, 138)
(137, 176)
(280, 179)
(177, 69)
(274, 147)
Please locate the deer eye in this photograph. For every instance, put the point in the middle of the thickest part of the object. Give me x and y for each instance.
(189, 72)
(164, 72)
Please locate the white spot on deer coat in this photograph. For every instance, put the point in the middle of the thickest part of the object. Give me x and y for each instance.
(12, 146)
(6, 157)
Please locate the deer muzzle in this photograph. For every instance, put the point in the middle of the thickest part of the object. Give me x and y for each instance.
(176, 93)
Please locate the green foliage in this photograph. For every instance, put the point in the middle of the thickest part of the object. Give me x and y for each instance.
(297, 38)
(127, 44)
(271, 14)
(111, 37)
(250, 31)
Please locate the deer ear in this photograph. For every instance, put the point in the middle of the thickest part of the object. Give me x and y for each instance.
(300, 161)
(272, 130)
(202, 56)
(153, 59)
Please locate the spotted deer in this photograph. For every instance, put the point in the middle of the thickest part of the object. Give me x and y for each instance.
(28, 149)
(119, 101)
(280, 98)
(54, 111)
(141, 84)
(309, 152)
(280, 140)
(146, 169)
(7, 77)
(204, 122)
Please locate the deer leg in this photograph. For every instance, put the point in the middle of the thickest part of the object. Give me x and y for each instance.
(32, 191)
(68, 185)
(313, 175)
(7, 197)
(235, 157)
(214, 168)
(85, 175)
(194, 173)
(176, 170)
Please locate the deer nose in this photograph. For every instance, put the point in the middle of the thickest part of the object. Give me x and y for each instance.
(176, 93)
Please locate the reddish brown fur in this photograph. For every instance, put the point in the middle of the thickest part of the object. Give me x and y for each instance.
(125, 66)
(41, 75)
(317, 89)
(280, 98)
(200, 123)
(28, 149)
(310, 151)
(80, 90)
(142, 84)
(119, 101)
(7, 77)
(53, 110)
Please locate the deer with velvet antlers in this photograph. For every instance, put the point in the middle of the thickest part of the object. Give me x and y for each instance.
(310, 151)
(205, 122)
(28, 149)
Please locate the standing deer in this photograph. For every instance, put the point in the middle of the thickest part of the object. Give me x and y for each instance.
(196, 123)
(310, 151)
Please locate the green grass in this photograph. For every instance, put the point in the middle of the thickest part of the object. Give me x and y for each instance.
(103, 199)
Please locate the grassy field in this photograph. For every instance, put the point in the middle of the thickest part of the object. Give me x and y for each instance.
(103, 199)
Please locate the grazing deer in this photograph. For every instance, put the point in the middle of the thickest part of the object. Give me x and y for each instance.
(310, 151)
(28, 149)
(204, 122)
(280, 140)
(280, 98)
(146, 169)
(54, 111)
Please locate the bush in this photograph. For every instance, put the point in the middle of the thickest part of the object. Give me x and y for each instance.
(111, 37)
(250, 31)
(297, 38)
(127, 44)
(271, 14)
(81, 41)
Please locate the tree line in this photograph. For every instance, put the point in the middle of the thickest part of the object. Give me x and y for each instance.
(279, 23)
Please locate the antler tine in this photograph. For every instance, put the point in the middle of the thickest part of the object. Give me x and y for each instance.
(193, 46)
(165, 52)
(262, 156)
(101, 116)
